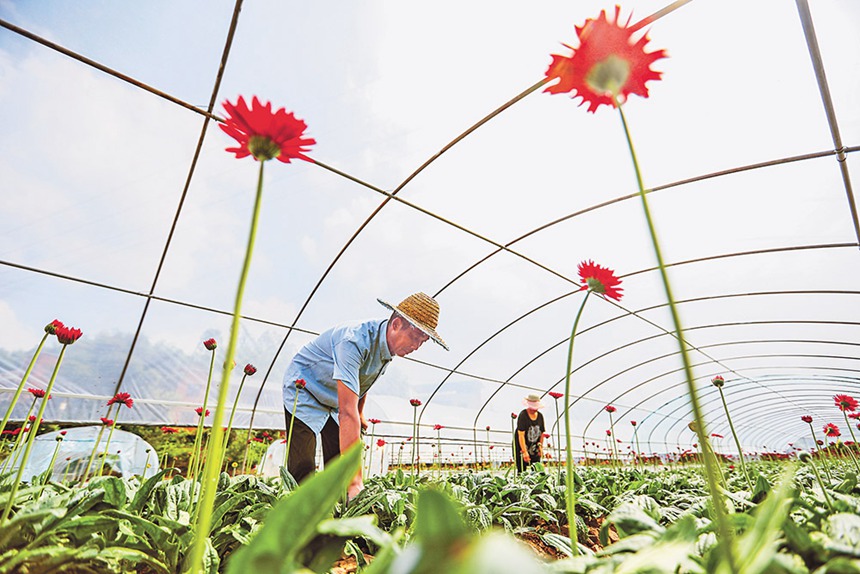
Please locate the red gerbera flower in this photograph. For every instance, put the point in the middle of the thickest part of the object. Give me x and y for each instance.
(250, 369)
(374, 421)
(855, 416)
(846, 403)
(199, 411)
(806, 419)
(122, 398)
(633, 423)
(488, 427)
(415, 402)
(300, 383)
(601, 280)
(608, 432)
(831, 430)
(264, 134)
(438, 427)
(106, 422)
(609, 409)
(607, 63)
(37, 393)
(210, 344)
(67, 335)
(718, 381)
(555, 394)
(715, 435)
(513, 415)
(380, 443)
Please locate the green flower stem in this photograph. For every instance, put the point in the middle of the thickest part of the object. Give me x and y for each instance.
(23, 382)
(213, 466)
(146, 463)
(19, 438)
(370, 455)
(439, 452)
(723, 527)
(737, 440)
(638, 454)
(196, 454)
(51, 466)
(614, 453)
(107, 444)
(821, 484)
(34, 429)
(230, 421)
(818, 452)
(850, 449)
(95, 447)
(289, 432)
(569, 486)
(414, 438)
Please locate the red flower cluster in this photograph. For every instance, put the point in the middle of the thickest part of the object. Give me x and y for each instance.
(607, 63)
(846, 403)
(67, 335)
(250, 369)
(415, 402)
(210, 344)
(121, 398)
(263, 134)
(600, 280)
(555, 394)
(609, 409)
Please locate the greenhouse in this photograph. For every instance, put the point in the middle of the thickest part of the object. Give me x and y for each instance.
(616, 217)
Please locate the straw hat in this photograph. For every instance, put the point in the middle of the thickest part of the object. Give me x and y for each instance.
(533, 401)
(422, 311)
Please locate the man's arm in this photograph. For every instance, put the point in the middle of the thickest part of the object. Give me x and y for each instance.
(361, 413)
(521, 436)
(349, 421)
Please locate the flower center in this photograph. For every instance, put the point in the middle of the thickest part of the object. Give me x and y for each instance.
(263, 148)
(608, 76)
(595, 285)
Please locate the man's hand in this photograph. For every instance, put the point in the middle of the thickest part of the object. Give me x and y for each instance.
(526, 457)
(364, 424)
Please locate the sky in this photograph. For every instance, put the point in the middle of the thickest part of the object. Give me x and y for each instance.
(95, 168)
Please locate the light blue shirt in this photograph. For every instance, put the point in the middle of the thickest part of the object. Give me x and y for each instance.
(354, 353)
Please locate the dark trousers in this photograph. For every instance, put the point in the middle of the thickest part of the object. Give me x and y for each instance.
(521, 464)
(303, 447)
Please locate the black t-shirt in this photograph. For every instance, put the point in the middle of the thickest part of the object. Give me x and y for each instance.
(533, 429)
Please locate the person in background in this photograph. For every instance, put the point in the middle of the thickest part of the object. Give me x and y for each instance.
(337, 369)
(528, 437)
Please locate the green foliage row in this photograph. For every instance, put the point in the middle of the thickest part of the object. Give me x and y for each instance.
(651, 521)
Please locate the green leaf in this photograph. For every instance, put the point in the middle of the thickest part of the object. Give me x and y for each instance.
(364, 526)
(844, 532)
(113, 487)
(292, 523)
(288, 482)
(758, 546)
(143, 493)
